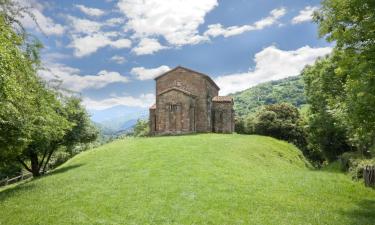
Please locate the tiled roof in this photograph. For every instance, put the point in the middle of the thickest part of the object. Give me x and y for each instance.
(153, 106)
(222, 99)
(190, 70)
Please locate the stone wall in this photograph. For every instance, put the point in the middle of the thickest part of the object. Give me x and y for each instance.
(198, 86)
(187, 101)
(175, 113)
(223, 117)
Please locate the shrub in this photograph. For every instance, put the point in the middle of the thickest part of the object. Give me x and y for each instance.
(141, 128)
(354, 163)
(239, 126)
(357, 166)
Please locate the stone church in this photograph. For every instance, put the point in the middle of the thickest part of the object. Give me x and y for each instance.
(187, 102)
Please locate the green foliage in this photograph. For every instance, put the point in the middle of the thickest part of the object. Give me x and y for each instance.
(35, 120)
(141, 128)
(281, 121)
(192, 179)
(326, 130)
(19, 88)
(8, 169)
(341, 88)
(289, 90)
(83, 130)
(239, 126)
(357, 167)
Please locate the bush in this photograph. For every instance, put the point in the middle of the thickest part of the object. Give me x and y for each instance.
(141, 128)
(354, 163)
(239, 126)
(281, 121)
(357, 166)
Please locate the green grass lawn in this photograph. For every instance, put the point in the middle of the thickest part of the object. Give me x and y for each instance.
(196, 179)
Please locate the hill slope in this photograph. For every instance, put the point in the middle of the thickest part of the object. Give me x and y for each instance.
(197, 179)
(290, 90)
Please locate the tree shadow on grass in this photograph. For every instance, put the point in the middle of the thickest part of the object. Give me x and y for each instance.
(364, 214)
(63, 169)
(27, 185)
(16, 190)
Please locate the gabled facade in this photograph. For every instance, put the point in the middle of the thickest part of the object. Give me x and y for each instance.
(187, 102)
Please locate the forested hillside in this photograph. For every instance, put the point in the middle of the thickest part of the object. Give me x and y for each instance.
(290, 90)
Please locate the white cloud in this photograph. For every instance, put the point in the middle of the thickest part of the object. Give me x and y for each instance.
(90, 11)
(89, 44)
(83, 26)
(147, 74)
(121, 43)
(118, 59)
(176, 20)
(271, 64)
(144, 100)
(215, 30)
(72, 80)
(148, 46)
(304, 15)
(114, 21)
(46, 24)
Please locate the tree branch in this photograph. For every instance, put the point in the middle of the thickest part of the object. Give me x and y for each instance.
(44, 156)
(24, 165)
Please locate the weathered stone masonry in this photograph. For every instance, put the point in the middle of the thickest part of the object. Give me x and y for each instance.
(187, 102)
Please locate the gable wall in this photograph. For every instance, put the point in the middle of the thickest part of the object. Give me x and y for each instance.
(179, 120)
(197, 85)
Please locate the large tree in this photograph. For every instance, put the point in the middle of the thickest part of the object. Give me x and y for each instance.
(327, 127)
(351, 25)
(35, 119)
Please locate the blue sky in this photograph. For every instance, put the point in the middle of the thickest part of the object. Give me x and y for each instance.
(110, 51)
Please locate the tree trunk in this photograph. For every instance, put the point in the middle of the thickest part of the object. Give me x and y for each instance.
(35, 169)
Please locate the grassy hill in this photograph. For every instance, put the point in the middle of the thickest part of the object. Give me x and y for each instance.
(290, 90)
(196, 179)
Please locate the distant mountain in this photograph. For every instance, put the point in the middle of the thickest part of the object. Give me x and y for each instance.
(119, 122)
(290, 90)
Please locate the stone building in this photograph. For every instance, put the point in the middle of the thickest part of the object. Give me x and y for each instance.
(187, 102)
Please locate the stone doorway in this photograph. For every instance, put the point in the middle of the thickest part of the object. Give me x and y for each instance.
(174, 117)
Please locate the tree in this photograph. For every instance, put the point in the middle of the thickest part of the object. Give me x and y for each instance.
(350, 24)
(141, 128)
(35, 120)
(281, 121)
(66, 126)
(83, 130)
(327, 127)
(239, 126)
(18, 88)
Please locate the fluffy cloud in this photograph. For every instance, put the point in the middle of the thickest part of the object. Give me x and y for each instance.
(83, 26)
(147, 74)
(118, 59)
(215, 30)
(304, 15)
(144, 100)
(271, 64)
(89, 44)
(148, 46)
(71, 79)
(46, 24)
(112, 22)
(175, 20)
(87, 36)
(90, 11)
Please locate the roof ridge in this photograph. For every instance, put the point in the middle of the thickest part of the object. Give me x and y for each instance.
(185, 68)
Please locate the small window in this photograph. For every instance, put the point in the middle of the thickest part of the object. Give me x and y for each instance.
(173, 107)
